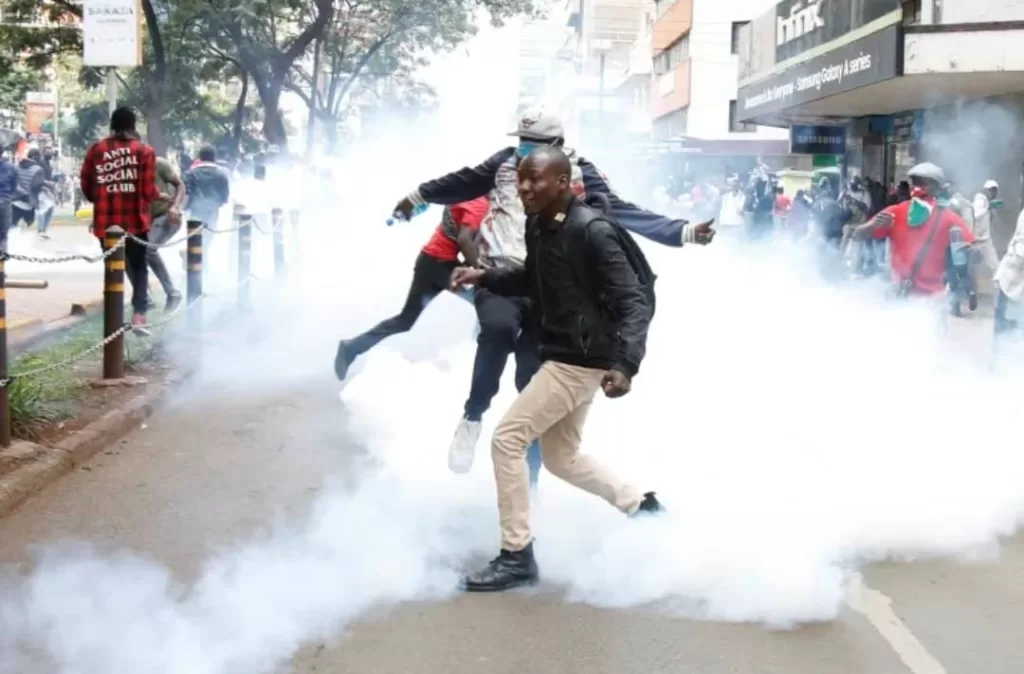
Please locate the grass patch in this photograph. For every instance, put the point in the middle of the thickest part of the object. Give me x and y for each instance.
(43, 400)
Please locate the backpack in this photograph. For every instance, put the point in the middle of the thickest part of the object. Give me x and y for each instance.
(634, 255)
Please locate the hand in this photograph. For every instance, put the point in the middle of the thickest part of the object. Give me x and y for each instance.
(465, 276)
(883, 219)
(704, 233)
(615, 384)
(174, 216)
(404, 208)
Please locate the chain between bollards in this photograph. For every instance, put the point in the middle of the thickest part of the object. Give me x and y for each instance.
(113, 303)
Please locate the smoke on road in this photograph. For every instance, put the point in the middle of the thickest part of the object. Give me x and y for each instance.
(795, 432)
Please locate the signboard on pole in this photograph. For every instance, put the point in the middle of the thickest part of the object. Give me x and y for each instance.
(41, 116)
(112, 33)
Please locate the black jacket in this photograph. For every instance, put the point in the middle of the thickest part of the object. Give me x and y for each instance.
(469, 183)
(600, 321)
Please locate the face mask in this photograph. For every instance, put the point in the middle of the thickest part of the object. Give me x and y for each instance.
(995, 204)
(921, 206)
(526, 147)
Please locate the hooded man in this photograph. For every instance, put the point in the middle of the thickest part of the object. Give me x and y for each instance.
(506, 323)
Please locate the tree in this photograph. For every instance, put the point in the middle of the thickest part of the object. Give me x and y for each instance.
(368, 42)
(264, 38)
(15, 82)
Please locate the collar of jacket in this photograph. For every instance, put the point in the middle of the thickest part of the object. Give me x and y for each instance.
(559, 218)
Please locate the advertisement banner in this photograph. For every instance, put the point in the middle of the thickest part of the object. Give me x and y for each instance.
(40, 116)
(872, 59)
(812, 139)
(801, 25)
(112, 33)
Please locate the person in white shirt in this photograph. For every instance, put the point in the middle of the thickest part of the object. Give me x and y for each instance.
(983, 251)
(730, 216)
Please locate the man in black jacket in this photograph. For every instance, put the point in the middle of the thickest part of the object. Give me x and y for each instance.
(505, 326)
(593, 317)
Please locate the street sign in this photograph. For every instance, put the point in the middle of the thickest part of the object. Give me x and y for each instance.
(112, 33)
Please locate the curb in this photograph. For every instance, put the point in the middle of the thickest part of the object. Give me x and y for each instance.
(27, 468)
(28, 330)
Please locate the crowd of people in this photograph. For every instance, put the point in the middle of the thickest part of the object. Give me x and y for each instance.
(848, 224)
(30, 190)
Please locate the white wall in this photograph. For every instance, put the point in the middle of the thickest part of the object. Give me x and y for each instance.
(714, 69)
(973, 11)
(995, 51)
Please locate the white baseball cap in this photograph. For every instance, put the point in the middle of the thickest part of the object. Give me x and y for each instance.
(991, 185)
(539, 124)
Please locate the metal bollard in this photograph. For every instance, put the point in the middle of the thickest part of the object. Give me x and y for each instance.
(194, 273)
(277, 224)
(113, 304)
(5, 400)
(244, 260)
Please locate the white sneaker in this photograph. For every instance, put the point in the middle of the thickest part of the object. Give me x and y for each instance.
(463, 448)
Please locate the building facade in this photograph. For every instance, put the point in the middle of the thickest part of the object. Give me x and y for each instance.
(905, 81)
(695, 45)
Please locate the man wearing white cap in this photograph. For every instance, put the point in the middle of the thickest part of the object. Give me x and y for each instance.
(506, 323)
(983, 251)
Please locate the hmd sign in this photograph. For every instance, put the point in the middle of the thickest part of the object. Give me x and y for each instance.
(801, 20)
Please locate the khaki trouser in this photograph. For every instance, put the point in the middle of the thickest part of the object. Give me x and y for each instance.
(552, 407)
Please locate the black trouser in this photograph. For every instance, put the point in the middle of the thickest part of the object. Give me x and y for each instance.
(136, 270)
(429, 279)
(506, 327)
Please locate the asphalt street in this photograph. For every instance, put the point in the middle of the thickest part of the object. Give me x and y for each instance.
(213, 471)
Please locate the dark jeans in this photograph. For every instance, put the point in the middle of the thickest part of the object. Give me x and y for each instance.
(506, 328)
(136, 271)
(429, 279)
(6, 220)
(161, 232)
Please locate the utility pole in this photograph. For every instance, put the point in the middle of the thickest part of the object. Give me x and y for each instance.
(111, 90)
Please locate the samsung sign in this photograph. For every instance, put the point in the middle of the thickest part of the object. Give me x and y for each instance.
(802, 25)
(817, 140)
(871, 59)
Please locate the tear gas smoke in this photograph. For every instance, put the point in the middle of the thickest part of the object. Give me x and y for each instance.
(795, 432)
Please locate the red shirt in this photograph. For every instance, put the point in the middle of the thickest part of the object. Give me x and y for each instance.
(782, 204)
(119, 178)
(470, 214)
(907, 242)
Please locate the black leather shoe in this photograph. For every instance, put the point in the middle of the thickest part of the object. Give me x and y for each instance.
(649, 506)
(506, 571)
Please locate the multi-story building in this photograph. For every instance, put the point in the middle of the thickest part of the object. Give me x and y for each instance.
(890, 83)
(695, 46)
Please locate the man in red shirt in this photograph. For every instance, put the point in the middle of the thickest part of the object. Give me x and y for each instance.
(914, 225)
(119, 178)
(431, 276)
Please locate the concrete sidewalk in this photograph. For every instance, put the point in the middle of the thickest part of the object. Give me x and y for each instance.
(70, 283)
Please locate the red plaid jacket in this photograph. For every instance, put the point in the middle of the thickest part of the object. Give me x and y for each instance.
(119, 178)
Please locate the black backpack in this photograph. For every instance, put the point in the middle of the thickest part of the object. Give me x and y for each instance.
(637, 260)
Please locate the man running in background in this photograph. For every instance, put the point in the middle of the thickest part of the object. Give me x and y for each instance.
(504, 325)
(119, 178)
(166, 214)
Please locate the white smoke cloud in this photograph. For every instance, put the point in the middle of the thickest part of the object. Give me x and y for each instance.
(794, 431)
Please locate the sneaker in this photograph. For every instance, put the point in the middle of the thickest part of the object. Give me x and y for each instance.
(506, 571)
(173, 301)
(649, 506)
(342, 361)
(139, 324)
(44, 235)
(463, 448)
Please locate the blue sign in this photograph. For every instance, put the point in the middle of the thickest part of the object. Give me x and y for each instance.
(805, 139)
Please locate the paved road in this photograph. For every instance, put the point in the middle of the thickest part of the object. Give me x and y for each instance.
(223, 463)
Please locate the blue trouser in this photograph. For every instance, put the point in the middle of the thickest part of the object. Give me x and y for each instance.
(504, 331)
(6, 219)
